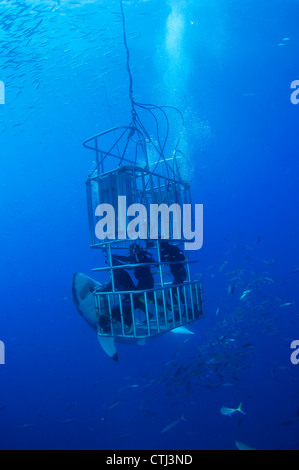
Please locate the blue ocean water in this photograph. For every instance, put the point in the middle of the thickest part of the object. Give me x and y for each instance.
(228, 66)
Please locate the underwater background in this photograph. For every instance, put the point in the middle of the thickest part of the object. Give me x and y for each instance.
(228, 67)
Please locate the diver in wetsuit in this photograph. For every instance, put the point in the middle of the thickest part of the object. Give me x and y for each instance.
(123, 282)
(173, 254)
(142, 273)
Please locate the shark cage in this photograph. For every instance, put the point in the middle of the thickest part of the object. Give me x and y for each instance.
(130, 164)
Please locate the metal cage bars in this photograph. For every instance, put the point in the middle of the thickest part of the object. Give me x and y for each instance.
(163, 310)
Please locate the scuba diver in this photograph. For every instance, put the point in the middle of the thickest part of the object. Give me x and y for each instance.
(142, 273)
(145, 279)
(124, 282)
(173, 255)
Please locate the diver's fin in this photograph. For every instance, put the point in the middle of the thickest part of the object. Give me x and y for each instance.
(108, 346)
(182, 330)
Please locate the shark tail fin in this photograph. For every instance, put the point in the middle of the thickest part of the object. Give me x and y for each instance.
(240, 409)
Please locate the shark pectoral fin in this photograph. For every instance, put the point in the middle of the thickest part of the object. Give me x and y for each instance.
(108, 346)
(182, 330)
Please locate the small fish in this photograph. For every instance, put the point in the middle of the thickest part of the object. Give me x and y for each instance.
(245, 293)
(114, 405)
(223, 265)
(287, 304)
(179, 370)
(217, 311)
(173, 424)
(235, 378)
(148, 412)
(259, 238)
(230, 411)
(269, 279)
(288, 423)
(242, 446)
(123, 437)
(269, 262)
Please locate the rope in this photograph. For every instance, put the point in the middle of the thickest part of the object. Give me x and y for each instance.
(136, 121)
(131, 94)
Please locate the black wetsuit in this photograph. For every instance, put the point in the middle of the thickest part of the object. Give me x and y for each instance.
(123, 282)
(172, 254)
(143, 273)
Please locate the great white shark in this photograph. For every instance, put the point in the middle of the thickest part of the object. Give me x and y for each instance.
(83, 289)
